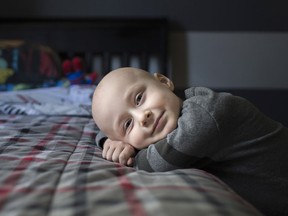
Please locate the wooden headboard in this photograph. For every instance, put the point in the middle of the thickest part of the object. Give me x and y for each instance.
(132, 42)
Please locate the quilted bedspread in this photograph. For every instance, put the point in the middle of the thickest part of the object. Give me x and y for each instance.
(51, 166)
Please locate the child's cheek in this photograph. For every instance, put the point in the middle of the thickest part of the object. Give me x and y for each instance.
(138, 140)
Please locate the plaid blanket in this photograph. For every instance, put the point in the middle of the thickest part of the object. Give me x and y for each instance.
(51, 166)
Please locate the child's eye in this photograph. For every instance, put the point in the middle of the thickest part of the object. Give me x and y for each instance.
(127, 124)
(138, 98)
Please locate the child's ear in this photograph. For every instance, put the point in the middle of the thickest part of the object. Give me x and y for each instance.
(164, 80)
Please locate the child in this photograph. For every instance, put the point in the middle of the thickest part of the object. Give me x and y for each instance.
(217, 132)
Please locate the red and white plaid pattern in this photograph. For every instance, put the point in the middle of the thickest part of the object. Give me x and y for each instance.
(51, 166)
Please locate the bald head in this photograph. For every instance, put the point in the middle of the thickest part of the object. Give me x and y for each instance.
(128, 104)
(112, 83)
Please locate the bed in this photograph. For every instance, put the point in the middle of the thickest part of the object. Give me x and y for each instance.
(49, 162)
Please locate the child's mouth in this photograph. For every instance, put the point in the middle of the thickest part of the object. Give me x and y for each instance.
(156, 124)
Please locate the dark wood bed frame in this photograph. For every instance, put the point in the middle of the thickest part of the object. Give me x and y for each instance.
(102, 37)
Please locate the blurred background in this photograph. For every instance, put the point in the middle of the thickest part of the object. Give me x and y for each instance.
(225, 44)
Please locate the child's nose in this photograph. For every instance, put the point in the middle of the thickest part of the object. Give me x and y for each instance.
(146, 116)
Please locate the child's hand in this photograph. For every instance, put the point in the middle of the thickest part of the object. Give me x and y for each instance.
(118, 151)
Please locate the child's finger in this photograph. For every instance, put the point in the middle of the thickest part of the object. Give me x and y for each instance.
(125, 155)
(104, 152)
(116, 154)
(130, 162)
(109, 154)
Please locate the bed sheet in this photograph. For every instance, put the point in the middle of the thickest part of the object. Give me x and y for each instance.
(51, 166)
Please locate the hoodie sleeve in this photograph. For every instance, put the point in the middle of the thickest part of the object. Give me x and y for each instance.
(100, 139)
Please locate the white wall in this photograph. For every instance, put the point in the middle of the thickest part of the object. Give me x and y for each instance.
(229, 60)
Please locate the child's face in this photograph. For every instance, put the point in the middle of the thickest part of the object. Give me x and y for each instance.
(135, 107)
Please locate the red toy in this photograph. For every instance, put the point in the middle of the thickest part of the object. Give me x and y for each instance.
(77, 64)
(67, 67)
(74, 71)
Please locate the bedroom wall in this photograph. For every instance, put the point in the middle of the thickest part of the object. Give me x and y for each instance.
(230, 59)
(222, 44)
